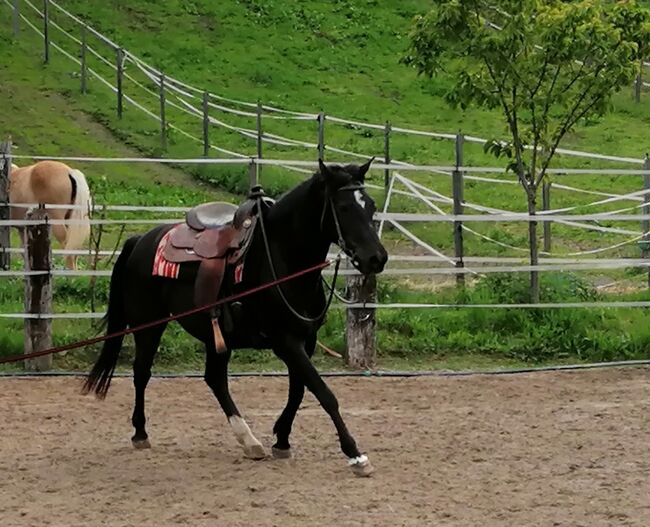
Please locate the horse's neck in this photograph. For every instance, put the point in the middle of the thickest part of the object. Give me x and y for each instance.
(294, 227)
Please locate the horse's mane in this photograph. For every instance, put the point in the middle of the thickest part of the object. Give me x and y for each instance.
(296, 196)
(345, 174)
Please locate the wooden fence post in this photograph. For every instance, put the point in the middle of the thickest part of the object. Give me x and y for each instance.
(5, 211)
(163, 119)
(46, 31)
(360, 336)
(321, 135)
(457, 192)
(387, 130)
(260, 133)
(84, 67)
(645, 224)
(38, 290)
(360, 349)
(546, 205)
(119, 64)
(206, 125)
(16, 18)
(638, 84)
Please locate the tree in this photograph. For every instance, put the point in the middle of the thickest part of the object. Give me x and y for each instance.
(546, 64)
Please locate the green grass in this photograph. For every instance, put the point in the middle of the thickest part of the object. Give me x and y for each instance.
(340, 57)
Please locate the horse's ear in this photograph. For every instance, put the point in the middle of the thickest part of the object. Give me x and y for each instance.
(364, 168)
(324, 171)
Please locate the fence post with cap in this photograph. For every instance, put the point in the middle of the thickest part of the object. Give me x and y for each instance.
(645, 224)
(457, 193)
(38, 290)
(5, 211)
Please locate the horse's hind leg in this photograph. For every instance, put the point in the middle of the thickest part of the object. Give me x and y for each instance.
(216, 377)
(61, 234)
(146, 344)
(282, 427)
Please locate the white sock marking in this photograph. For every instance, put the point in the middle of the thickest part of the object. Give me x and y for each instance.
(242, 431)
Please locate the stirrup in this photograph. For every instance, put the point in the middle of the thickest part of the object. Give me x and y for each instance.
(219, 342)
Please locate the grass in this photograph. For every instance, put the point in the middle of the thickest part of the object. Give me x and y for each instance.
(449, 338)
(340, 57)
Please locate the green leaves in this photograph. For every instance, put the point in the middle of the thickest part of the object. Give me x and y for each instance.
(548, 64)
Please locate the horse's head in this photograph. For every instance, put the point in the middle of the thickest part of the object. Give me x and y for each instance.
(348, 219)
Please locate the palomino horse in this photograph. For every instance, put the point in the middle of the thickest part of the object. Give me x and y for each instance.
(54, 183)
(291, 235)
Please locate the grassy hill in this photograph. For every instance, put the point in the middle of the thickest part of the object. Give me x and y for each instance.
(340, 57)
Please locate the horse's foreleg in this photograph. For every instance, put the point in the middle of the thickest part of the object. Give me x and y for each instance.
(216, 377)
(146, 343)
(293, 353)
(282, 427)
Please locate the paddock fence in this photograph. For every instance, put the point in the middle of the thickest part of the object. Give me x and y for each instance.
(176, 105)
(435, 262)
(439, 193)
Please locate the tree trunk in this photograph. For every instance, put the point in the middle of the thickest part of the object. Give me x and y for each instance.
(534, 249)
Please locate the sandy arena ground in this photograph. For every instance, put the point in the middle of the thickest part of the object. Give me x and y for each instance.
(541, 449)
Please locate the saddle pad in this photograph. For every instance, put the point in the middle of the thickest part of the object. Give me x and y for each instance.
(161, 266)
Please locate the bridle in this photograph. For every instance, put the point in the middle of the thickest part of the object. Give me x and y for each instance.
(329, 200)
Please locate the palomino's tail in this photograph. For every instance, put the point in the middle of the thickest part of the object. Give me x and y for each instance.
(99, 378)
(78, 232)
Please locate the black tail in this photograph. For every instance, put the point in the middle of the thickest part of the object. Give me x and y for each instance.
(73, 196)
(99, 378)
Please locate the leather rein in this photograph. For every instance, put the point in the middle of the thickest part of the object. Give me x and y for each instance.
(341, 243)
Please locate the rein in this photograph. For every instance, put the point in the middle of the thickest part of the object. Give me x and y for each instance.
(275, 283)
(269, 257)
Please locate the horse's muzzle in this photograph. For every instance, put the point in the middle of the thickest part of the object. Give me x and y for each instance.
(371, 264)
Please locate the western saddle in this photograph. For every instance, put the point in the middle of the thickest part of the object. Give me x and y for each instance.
(217, 235)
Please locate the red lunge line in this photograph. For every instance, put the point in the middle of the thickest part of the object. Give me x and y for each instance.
(231, 298)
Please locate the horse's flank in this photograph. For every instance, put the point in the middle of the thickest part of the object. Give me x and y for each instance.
(54, 183)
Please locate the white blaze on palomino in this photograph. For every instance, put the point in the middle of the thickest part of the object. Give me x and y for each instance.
(358, 196)
(252, 447)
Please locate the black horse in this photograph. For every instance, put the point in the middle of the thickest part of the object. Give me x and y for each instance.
(293, 234)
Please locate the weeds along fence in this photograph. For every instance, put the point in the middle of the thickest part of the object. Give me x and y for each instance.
(462, 218)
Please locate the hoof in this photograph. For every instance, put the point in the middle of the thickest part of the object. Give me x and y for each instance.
(140, 444)
(281, 453)
(254, 452)
(361, 466)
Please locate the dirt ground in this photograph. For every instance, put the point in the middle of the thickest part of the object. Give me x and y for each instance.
(541, 449)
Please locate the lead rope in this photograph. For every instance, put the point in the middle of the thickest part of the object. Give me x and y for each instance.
(274, 274)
